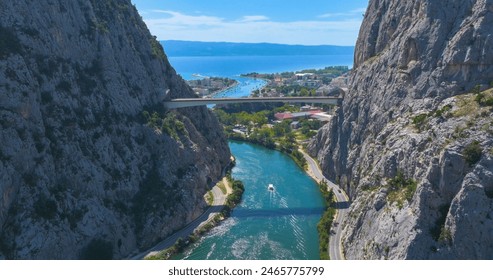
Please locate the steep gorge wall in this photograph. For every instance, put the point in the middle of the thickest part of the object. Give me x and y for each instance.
(407, 113)
(83, 173)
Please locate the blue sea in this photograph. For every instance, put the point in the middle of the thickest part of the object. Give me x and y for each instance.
(233, 66)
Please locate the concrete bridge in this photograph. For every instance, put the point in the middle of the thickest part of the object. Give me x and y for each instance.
(191, 102)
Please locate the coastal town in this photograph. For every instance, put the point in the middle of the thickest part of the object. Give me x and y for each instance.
(330, 81)
(261, 124)
(210, 86)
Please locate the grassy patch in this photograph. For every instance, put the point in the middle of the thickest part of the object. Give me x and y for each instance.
(209, 198)
(466, 106)
(222, 187)
(484, 98)
(443, 112)
(401, 189)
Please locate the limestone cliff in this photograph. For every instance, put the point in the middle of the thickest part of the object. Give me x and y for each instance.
(412, 141)
(90, 163)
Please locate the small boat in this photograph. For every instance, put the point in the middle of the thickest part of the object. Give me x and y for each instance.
(270, 187)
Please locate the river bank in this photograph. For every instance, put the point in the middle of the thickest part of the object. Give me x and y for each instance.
(227, 194)
(342, 208)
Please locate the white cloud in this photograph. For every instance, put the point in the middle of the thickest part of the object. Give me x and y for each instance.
(253, 29)
(182, 19)
(253, 18)
(352, 13)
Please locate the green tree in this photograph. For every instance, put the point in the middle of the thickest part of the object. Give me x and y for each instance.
(473, 153)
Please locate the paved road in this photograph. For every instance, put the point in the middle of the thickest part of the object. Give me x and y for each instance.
(208, 215)
(342, 205)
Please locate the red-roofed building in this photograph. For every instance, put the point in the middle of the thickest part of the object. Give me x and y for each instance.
(289, 116)
(283, 116)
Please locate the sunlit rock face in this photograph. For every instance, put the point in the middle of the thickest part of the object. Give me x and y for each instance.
(411, 147)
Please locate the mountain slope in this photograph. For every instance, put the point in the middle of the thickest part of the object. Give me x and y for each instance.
(188, 48)
(85, 172)
(409, 144)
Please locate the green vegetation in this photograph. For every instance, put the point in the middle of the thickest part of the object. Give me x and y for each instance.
(326, 221)
(168, 123)
(467, 106)
(222, 187)
(443, 111)
(327, 194)
(177, 248)
(484, 98)
(233, 199)
(475, 103)
(9, 43)
(100, 26)
(323, 228)
(400, 189)
(419, 121)
(157, 48)
(473, 152)
(437, 232)
(445, 235)
(279, 136)
(209, 197)
(97, 249)
(336, 71)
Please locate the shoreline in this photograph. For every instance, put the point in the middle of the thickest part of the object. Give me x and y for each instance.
(212, 95)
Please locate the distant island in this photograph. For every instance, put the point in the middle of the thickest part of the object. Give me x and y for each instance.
(190, 48)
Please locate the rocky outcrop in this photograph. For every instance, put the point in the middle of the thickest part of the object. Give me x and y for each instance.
(410, 144)
(91, 165)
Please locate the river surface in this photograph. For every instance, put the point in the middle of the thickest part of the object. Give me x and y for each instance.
(266, 225)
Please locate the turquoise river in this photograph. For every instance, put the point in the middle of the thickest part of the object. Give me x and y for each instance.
(267, 225)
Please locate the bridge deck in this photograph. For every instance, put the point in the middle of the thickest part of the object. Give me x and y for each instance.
(191, 102)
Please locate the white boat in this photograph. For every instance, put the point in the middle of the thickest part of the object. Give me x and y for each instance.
(270, 187)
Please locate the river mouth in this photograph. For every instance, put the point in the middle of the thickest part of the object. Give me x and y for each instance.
(279, 224)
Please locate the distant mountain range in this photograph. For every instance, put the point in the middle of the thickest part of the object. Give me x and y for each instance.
(190, 48)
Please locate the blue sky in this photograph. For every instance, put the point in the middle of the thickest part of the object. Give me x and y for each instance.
(315, 22)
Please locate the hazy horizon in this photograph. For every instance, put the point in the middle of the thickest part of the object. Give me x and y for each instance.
(320, 22)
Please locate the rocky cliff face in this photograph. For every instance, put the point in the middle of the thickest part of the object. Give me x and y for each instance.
(90, 163)
(410, 144)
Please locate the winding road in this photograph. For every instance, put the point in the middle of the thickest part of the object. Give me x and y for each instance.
(342, 207)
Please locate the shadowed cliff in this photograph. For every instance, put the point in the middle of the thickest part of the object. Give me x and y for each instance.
(91, 166)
